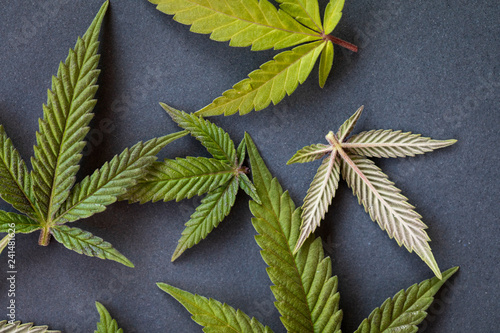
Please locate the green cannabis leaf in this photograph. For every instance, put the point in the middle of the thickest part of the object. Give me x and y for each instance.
(406, 309)
(305, 291)
(257, 23)
(48, 196)
(381, 199)
(219, 177)
(17, 327)
(107, 324)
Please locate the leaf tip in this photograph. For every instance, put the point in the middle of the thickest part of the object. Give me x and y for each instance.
(99, 306)
(177, 254)
(170, 110)
(126, 262)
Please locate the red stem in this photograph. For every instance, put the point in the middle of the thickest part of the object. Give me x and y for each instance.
(341, 42)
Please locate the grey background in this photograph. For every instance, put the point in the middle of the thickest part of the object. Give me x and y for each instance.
(431, 67)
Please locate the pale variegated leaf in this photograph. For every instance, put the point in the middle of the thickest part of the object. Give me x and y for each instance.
(5, 241)
(242, 22)
(391, 210)
(214, 207)
(346, 128)
(381, 199)
(403, 312)
(319, 196)
(15, 180)
(214, 316)
(270, 83)
(17, 327)
(306, 293)
(83, 242)
(389, 143)
(66, 117)
(180, 179)
(107, 324)
(310, 153)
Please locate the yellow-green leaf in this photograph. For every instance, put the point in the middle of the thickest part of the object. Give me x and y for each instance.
(270, 83)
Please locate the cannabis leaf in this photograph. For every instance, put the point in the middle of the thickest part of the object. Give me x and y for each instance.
(17, 327)
(48, 196)
(406, 309)
(381, 199)
(219, 177)
(213, 315)
(107, 324)
(257, 23)
(306, 293)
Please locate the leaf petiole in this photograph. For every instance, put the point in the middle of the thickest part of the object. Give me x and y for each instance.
(339, 42)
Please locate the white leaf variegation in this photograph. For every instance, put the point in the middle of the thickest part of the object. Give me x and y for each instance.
(17, 327)
(389, 143)
(381, 199)
(391, 210)
(310, 153)
(319, 196)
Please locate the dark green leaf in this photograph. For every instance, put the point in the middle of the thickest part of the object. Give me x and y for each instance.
(214, 207)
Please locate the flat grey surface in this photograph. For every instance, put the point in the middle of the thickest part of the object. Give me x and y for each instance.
(423, 66)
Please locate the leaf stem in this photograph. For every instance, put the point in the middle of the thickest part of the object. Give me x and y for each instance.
(340, 42)
(44, 238)
(243, 169)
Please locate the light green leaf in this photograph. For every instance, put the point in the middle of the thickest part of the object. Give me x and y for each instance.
(383, 201)
(106, 324)
(270, 83)
(5, 241)
(348, 125)
(112, 180)
(304, 11)
(333, 13)
(325, 63)
(213, 138)
(65, 124)
(213, 208)
(406, 309)
(83, 242)
(305, 291)
(242, 22)
(310, 153)
(247, 186)
(15, 181)
(389, 143)
(17, 327)
(23, 224)
(213, 315)
(319, 196)
(180, 179)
